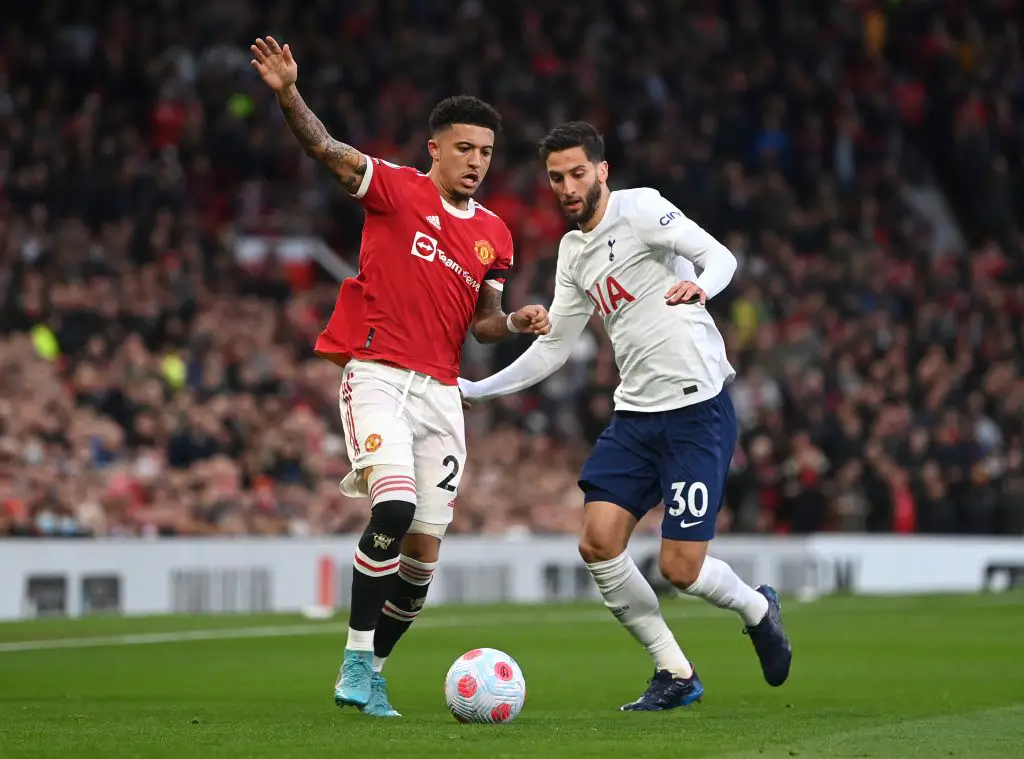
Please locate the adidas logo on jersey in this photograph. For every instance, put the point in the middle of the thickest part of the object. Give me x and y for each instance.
(435, 222)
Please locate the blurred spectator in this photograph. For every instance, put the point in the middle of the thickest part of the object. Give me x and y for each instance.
(159, 301)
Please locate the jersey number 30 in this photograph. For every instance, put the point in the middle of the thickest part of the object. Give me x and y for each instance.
(694, 500)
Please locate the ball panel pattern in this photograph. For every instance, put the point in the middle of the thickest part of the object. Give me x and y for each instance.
(485, 686)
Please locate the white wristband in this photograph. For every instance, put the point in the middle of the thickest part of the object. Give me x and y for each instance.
(511, 325)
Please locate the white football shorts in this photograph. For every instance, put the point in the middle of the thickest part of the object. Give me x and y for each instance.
(400, 417)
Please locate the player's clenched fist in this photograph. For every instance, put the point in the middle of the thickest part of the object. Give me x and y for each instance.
(685, 292)
(274, 64)
(532, 320)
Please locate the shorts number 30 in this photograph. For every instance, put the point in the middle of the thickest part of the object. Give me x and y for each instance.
(695, 499)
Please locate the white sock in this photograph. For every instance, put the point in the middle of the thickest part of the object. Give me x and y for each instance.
(359, 640)
(721, 586)
(632, 600)
(378, 663)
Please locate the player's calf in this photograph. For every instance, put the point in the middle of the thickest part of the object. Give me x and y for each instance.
(626, 592)
(632, 601)
(716, 582)
(687, 566)
(408, 595)
(401, 608)
(376, 564)
(393, 496)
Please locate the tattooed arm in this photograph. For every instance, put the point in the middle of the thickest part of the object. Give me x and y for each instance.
(490, 324)
(278, 70)
(346, 163)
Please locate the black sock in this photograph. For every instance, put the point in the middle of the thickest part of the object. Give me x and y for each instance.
(403, 604)
(376, 561)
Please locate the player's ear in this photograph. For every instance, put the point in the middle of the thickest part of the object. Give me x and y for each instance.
(434, 149)
(602, 171)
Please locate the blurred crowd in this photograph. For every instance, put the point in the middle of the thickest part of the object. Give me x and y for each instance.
(156, 381)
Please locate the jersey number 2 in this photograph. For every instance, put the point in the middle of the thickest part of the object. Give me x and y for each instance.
(446, 483)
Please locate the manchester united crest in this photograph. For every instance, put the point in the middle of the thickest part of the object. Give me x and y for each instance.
(372, 442)
(485, 252)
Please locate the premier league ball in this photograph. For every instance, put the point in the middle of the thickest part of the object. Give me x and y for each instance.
(485, 685)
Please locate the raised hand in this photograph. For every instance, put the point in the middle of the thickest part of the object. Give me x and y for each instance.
(274, 64)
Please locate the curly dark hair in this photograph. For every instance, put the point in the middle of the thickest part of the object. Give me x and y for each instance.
(464, 109)
(574, 134)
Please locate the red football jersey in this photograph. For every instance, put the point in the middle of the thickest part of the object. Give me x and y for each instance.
(421, 265)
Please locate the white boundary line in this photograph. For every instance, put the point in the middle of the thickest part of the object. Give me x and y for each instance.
(688, 609)
(286, 631)
(139, 639)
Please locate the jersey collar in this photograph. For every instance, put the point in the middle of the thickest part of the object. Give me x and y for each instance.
(458, 212)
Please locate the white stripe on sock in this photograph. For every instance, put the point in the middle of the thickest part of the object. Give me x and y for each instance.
(363, 563)
(400, 614)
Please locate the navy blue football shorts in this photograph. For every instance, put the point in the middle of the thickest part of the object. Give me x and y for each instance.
(680, 457)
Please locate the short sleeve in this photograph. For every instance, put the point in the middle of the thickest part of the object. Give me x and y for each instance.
(570, 299)
(502, 264)
(383, 185)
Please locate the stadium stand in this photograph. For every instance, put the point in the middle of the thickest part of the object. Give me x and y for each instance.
(162, 241)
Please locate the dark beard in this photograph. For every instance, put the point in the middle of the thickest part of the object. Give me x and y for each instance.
(590, 201)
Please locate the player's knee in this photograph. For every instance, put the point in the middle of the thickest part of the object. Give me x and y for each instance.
(680, 568)
(606, 531)
(595, 548)
(390, 521)
(423, 541)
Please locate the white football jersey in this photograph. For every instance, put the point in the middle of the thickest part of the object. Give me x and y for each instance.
(668, 356)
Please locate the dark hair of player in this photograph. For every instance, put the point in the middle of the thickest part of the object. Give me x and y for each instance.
(574, 134)
(464, 109)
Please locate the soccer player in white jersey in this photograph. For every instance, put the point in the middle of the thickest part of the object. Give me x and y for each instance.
(635, 257)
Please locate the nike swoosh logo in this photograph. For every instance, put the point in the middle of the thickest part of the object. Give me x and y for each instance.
(684, 524)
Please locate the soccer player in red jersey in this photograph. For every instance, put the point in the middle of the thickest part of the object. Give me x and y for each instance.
(432, 266)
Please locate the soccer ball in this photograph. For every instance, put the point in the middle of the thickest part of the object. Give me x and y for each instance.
(485, 685)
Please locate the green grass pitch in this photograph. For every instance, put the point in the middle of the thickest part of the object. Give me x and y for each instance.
(888, 678)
